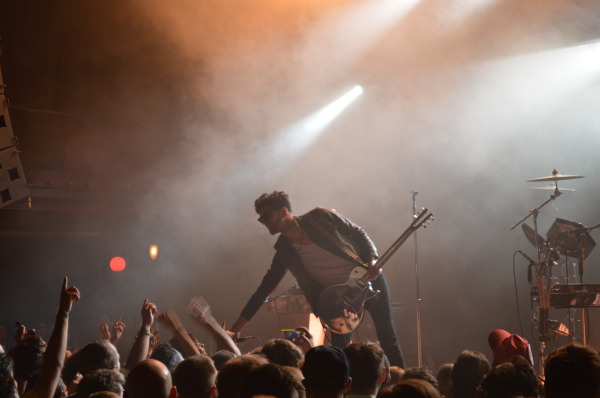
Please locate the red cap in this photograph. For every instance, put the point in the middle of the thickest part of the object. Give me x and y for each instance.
(506, 346)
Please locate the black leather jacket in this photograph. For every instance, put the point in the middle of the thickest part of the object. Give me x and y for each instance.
(332, 232)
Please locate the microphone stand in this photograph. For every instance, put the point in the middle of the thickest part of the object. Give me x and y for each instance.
(418, 307)
(543, 289)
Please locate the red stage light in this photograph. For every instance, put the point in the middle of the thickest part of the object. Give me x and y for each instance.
(117, 264)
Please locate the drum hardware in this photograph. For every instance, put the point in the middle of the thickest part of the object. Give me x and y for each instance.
(545, 259)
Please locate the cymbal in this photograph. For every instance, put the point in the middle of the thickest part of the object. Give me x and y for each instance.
(570, 238)
(555, 177)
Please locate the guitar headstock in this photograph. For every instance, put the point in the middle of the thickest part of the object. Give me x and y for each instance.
(422, 219)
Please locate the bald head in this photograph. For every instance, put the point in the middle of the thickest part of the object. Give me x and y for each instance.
(149, 379)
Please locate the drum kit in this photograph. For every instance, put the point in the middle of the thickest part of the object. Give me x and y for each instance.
(564, 238)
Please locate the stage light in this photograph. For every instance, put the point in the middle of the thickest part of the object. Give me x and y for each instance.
(303, 133)
(153, 251)
(117, 264)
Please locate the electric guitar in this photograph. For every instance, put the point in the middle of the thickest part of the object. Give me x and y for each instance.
(341, 307)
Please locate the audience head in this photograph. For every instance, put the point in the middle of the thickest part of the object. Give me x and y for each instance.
(149, 379)
(444, 379)
(572, 371)
(168, 355)
(505, 346)
(282, 352)
(412, 388)
(468, 371)
(326, 368)
(100, 354)
(271, 380)
(27, 357)
(8, 387)
(100, 380)
(514, 378)
(221, 357)
(421, 373)
(195, 377)
(105, 394)
(367, 367)
(71, 367)
(6, 365)
(396, 375)
(230, 378)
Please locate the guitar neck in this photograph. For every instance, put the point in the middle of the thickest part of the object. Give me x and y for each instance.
(421, 219)
(395, 246)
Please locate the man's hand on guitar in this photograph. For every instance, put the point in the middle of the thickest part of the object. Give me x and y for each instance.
(373, 271)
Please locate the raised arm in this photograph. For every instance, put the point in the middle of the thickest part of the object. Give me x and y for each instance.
(200, 311)
(171, 321)
(139, 350)
(54, 357)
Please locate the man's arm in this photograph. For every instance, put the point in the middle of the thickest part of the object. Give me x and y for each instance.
(200, 311)
(171, 321)
(54, 357)
(140, 348)
(269, 282)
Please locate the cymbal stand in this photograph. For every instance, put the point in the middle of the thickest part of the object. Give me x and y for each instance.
(544, 282)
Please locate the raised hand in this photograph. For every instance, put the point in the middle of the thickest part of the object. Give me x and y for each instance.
(305, 342)
(170, 320)
(149, 310)
(105, 331)
(118, 328)
(199, 310)
(68, 296)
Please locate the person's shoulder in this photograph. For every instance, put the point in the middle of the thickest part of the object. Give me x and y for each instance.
(318, 211)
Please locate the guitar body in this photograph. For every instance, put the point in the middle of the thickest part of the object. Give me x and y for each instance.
(342, 307)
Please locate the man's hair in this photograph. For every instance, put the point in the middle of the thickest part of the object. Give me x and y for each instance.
(168, 355)
(514, 378)
(6, 365)
(270, 379)
(71, 368)
(221, 357)
(274, 201)
(105, 394)
(100, 380)
(444, 378)
(27, 357)
(572, 371)
(412, 388)
(195, 377)
(230, 378)
(468, 371)
(282, 352)
(8, 387)
(367, 363)
(99, 354)
(421, 373)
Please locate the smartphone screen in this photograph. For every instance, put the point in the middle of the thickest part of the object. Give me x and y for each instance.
(291, 335)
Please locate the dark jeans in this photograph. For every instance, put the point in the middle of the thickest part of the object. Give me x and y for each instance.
(381, 312)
